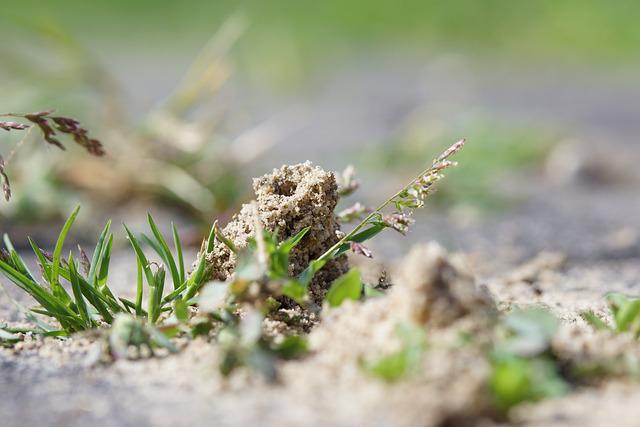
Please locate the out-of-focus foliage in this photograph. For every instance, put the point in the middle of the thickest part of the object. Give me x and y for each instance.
(288, 36)
(495, 150)
(176, 154)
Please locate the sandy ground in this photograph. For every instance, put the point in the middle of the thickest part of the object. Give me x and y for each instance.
(595, 226)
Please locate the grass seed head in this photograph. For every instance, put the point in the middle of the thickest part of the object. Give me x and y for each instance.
(13, 126)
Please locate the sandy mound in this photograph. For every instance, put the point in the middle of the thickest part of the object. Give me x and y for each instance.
(288, 200)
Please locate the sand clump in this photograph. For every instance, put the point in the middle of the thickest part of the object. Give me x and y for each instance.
(288, 200)
(450, 384)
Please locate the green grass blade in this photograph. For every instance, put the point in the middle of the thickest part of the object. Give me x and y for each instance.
(164, 249)
(628, 314)
(211, 239)
(22, 267)
(58, 290)
(49, 302)
(139, 288)
(152, 303)
(97, 298)
(175, 294)
(17, 260)
(178, 247)
(77, 293)
(196, 279)
(292, 241)
(226, 241)
(105, 261)
(34, 289)
(44, 262)
(97, 254)
(133, 306)
(160, 278)
(140, 255)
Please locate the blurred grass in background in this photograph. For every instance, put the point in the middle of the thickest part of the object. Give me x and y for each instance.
(57, 54)
(291, 37)
(493, 154)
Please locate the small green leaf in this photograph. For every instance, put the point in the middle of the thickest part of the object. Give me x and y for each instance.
(531, 331)
(287, 245)
(227, 242)
(516, 380)
(347, 286)
(371, 292)
(594, 320)
(360, 237)
(292, 347)
(181, 310)
(295, 290)
(628, 315)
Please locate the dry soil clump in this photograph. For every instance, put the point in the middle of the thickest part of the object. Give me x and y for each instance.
(433, 291)
(288, 200)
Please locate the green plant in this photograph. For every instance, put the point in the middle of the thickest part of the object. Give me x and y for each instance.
(522, 366)
(403, 362)
(258, 285)
(128, 332)
(407, 199)
(498, 149)
(244, 343)
(91, 301)
(625, 312)
(260, 280)
(347, 286)
(8, 335)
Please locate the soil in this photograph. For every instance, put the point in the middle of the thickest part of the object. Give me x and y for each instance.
(289, 200)
(566, 245)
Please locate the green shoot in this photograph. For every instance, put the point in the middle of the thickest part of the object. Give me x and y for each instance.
(625, 312)
(347, 286)
(91, 301)
(522, 366)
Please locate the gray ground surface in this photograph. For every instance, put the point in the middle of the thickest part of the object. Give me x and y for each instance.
(596, 225)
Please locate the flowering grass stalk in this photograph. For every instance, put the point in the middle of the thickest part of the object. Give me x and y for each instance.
(410, 197)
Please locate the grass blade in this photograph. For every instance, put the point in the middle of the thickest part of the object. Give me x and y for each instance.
(165, 252)
(77, 293)
(17, 260)
(104, 263)
(227, 242)
(140, 255)
(58, 290)
(292, 241)
(98, 254)
(178, 246)
(139, 289)
(347, 286)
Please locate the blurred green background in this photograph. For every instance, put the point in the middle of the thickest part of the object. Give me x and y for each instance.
(191, 98)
